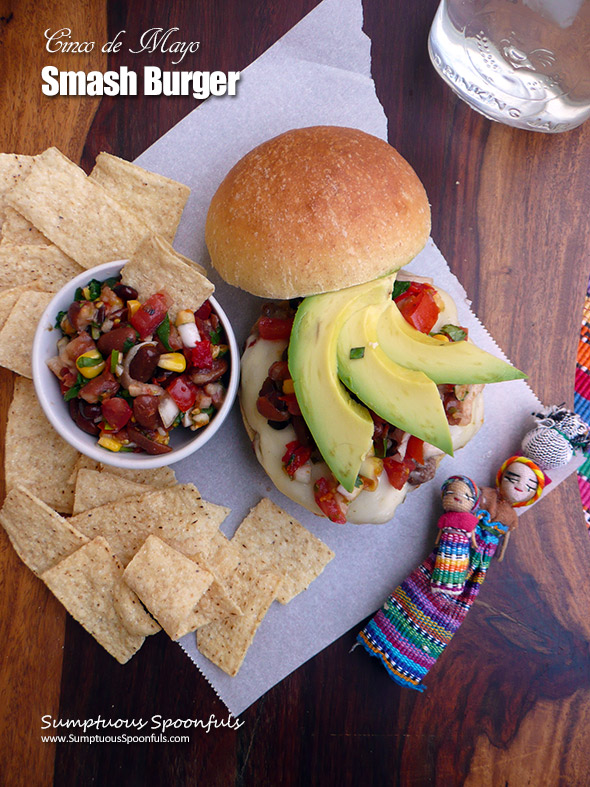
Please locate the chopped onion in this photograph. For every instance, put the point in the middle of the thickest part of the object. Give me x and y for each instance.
(349, 495)
(303, 473)
(168, 410)
(189, 333)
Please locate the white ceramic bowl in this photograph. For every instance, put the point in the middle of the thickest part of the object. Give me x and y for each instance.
(183, 441)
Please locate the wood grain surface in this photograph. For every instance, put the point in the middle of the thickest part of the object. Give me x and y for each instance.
(509, 702)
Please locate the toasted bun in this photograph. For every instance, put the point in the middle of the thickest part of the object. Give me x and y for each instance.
(314, 210)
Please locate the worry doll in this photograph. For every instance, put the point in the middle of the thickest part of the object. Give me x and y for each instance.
(519, 482)
(456, 534)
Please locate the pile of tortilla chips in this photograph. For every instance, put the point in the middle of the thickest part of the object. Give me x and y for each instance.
(139, 552)
(56, 222)
(142, 552)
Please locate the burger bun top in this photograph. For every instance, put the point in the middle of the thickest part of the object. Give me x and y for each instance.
(315, 210)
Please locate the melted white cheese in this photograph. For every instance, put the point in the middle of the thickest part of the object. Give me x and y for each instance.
(376, 507)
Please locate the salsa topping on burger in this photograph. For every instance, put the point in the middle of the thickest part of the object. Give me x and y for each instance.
(399, 454)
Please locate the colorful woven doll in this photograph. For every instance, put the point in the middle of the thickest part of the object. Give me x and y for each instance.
(456, 534)
(416, 623)
(519, 482)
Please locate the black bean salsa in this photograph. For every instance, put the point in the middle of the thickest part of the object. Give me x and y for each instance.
(132, 371)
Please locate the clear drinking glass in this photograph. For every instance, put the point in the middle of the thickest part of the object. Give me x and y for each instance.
(521, 62)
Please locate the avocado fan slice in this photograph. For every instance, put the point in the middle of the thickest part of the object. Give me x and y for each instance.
(341, 427)
(404, 397)
(444, 362)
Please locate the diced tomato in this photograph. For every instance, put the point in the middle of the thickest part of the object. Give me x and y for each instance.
(415, 450)
(295, 457)
(184, 392)
(398, 472)
(204, 311)
(291, 402)
(418, 306)
(147, 318)
(200, 355)
(274, 329)
(325, 497)
(116, 412)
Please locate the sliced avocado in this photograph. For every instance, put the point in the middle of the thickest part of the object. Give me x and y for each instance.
(341, 427)
(403, 397)
(444, 362)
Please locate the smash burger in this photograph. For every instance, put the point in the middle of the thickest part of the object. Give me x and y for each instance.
(352, 395)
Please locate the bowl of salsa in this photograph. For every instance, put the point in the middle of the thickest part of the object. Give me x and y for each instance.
(128, 381)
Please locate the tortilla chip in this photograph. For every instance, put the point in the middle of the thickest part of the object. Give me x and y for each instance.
(16, 229)
(226, 642)
(13, 167)
(156, 200)
(272, 540)
(177, 515)
(35, 455)
(46, 264)
(216, 604)
(85, 582)
(155, 266)
(133, 614)
(40, 537)
(94, 489)
(158, 476)
(222, 557)
(76, 213)
(168, 583)
(9, 297)
(18, 331)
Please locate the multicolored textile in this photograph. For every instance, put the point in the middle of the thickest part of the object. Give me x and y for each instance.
(415, 625)
(452, 553)
(582, 399)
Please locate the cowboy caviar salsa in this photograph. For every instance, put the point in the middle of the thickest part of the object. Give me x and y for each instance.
(132, 372)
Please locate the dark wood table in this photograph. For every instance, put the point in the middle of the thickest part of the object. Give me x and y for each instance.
(510, 700)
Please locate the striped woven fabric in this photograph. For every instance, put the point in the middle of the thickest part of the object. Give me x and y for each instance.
(415, 625)
(452, 561)
(582, 399)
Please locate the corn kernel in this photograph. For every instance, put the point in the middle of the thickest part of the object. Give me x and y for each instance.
(109, 443)
(185, 317)
(443, 337)
(173, 362)
(199, 420)
(288, 387)
(132, 307)
(90, 364)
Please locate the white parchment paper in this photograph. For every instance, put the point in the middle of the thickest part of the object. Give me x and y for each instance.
(318, 73)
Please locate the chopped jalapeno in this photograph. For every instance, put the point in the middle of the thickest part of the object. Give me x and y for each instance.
(163, 332)
(399, 288)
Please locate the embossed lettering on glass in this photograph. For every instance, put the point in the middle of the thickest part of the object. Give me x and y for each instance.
(521, 62)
